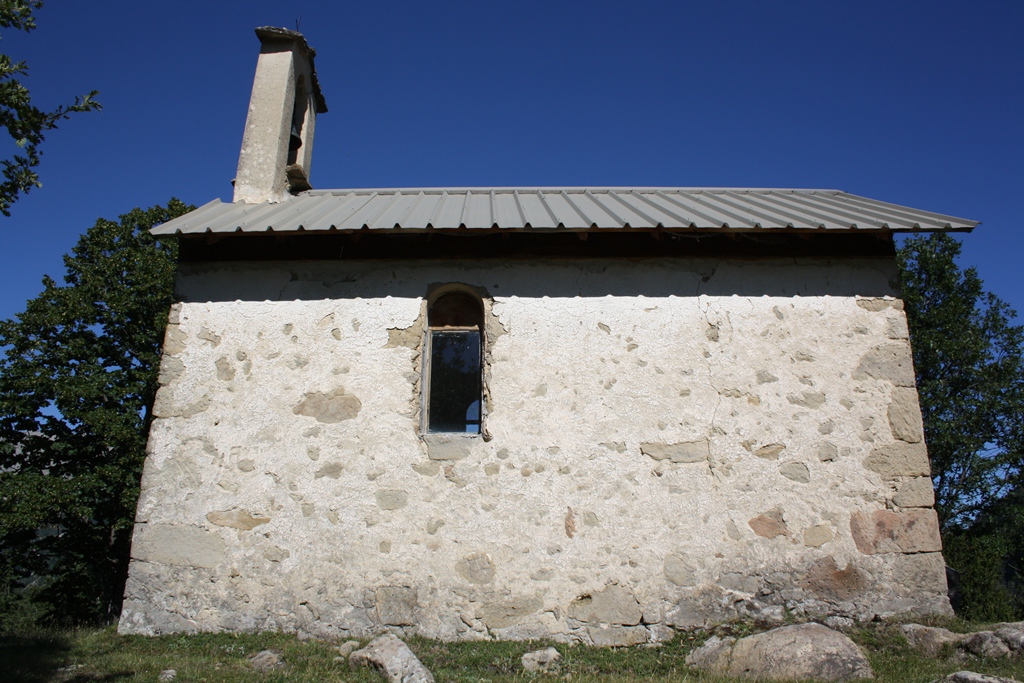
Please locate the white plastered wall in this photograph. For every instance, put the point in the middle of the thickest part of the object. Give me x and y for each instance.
(668, 443)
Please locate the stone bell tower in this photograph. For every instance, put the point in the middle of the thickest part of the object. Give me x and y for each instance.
(277, 144)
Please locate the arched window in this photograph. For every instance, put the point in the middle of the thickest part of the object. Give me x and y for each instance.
(453, 378)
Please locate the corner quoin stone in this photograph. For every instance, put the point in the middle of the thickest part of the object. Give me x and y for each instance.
(899, 459)
(891, 362)
(905, 415)
(915, 493)
(884, 531)
(178, 545)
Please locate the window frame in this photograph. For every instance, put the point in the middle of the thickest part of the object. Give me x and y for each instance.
(427, 355)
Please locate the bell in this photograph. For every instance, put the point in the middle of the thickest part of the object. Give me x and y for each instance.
(295, 141)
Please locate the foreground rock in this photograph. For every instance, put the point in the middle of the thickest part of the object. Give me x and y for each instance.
(541, 660)
(389, 655)
(266, 661)
(1007, 640)
(928, 640)
(986, 644)
(789, 653)
(971, 677)
(1013, 636)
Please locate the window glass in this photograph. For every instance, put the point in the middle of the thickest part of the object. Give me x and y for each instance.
(454, 381)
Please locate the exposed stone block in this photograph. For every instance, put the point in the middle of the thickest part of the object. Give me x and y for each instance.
(874, 304)
(276, 553)
(396, 605)
(179, 545)
(236, 519)
(807, 399)
(915, 493)
(225, 371)
(884, 531)
(770, 451)
(826, 580)
(210, 336)
(476, 568)
(331, 470)
(769, 524)
(166, 404)
(905, 415)
(391, 499)
(817, 536)
(447, 446)
(796, 471)
(687, 451)
(923, 573)
(678, 570)
(899, 459)
(617, 636)
(174, 340)
(503, 613)
(410, 338)
(330, 408)
(891, 363)
(170, 369)
(896, 328)
(612, 605)
(427, 469)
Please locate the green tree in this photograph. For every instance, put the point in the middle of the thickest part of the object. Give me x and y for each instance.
(970, 375)
(76, 388)
(25, 122)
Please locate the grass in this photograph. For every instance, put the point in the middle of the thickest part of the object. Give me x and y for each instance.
(86, 655)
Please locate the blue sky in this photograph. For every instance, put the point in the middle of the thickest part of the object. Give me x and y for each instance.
(917, 103)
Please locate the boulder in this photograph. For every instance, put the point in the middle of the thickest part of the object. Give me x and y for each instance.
(267, 661)
(971, 677)
(805, 651)
(545, 660)
(986, 644)
(929, 641)
(389, 655)
(1012, 635)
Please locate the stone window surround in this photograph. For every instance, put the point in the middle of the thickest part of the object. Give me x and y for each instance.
(437, 292)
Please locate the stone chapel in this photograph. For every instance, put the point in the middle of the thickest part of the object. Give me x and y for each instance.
(594, 414)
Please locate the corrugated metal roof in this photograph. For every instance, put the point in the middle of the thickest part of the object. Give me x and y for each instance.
(562, 208)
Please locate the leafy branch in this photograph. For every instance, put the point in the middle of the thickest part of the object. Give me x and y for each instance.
(24, 122)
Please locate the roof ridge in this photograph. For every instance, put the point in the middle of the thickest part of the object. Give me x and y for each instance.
(567, 188)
